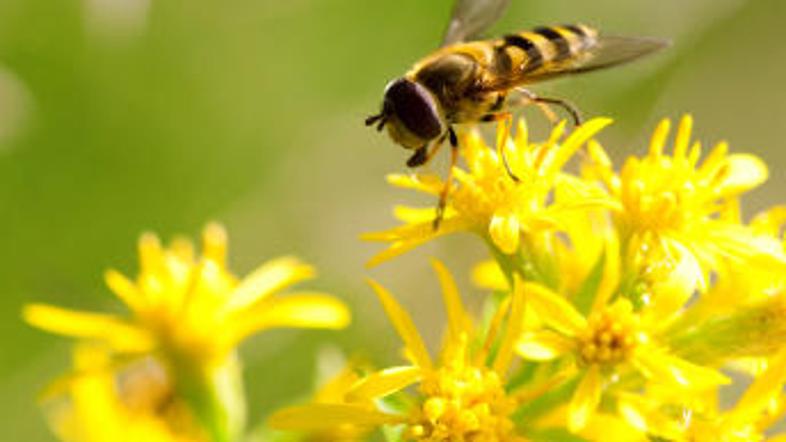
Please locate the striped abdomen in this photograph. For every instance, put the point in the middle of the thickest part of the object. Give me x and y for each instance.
(530, 51)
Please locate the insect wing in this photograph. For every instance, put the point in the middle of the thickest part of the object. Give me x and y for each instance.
(605, 52)
(472, 17)
(608, 51)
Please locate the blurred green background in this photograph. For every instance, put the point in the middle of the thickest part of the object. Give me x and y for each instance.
(120, 116)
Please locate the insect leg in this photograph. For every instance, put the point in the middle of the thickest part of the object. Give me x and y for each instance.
(567, 106)
(443, 195)
(507, 120)
(423, 155)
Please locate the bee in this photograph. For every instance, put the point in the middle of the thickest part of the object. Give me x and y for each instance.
(468, 81)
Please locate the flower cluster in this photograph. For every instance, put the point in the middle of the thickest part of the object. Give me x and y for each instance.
(169, 371)
(626, 303)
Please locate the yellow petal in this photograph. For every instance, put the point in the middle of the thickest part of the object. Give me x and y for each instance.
(577, 139)
(762, 391)
(682, 139)
(424, 183)
(743, 172)
(125, 290)
(458, 320)
(317, 417)
(646, 414)
(414, 215)
(269, 278)
(383, 383)
(493, 330)
(554, 310)
(586, 399)
(505, 231)
(514, 326)
(770, 221)
(298, 310)
(409, 236)
(120, 335)
(669, 294)
(404, 326)
(151, 255)
(660, 366)
(658, 140)
(488, 275)
(543, 345)
(214, 243)
(610, 280)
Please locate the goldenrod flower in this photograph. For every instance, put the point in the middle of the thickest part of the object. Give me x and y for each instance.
(612, 342)
(462, 395)
(760, 407)
(100, 403)
(671, 207)
(191, 314)
(488, 201)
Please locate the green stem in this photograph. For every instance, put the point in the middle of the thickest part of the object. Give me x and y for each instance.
(215, 393)
(512, 264)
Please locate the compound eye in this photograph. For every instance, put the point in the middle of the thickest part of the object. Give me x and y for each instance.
(415, 107)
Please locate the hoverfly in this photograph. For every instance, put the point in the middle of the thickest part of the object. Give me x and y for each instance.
(479, 81)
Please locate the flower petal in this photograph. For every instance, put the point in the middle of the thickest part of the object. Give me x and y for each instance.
(576, 139)
(543, 345)
(554, 310)
(661, 366)
(407, 237)
(488, 275)
(267, 279)
(404, 326)
(458, 320)
(315, 417)
(658, 140)
(762, 391)
(119, 334)
(514, 326)
(124, 289)
(421, 182)
(504, 229)
(586, 399)
(298, 310)
(414, 215)
(383, 383)
(742, 172)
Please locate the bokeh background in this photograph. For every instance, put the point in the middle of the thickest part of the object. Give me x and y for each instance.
(121, 116)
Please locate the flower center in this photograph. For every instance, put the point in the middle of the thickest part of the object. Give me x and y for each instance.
(465, 403)
(660, 196)
(611, 335)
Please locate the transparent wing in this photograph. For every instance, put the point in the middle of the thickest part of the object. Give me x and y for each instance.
(608, 51)
(471, 17)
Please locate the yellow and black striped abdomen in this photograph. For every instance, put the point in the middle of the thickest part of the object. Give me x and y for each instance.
(529, 51)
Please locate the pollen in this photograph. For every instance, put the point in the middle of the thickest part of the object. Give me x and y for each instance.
(462, 402)
(611, 335)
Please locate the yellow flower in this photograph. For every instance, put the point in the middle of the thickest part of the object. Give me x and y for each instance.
(135, 404)
(462, 396)
(195, 309)
(488, 201)
(671, 208)
(335, 392)
(759, 407)
(611, 344)
(191, 314)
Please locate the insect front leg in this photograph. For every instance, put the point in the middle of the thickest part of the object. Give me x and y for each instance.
(423, 155)
(507, 120)
(443, 195)
(528, 96)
